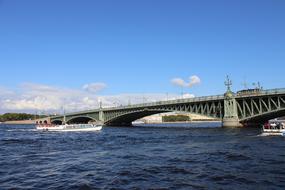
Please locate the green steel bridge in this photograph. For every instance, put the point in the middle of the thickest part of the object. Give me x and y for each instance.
(233, 109)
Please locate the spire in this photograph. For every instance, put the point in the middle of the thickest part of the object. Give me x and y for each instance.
(228, 83)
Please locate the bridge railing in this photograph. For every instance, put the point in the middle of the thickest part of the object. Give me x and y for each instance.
(274, 91)
(263, 92)
(169, 102)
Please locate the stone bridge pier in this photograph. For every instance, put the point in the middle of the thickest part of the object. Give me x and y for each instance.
(230, 117)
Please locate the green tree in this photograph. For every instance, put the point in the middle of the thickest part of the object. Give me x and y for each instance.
(18, 117)
(175, 118)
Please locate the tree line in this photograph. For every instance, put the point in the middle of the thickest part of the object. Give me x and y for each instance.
(19, 117)
(175, 118)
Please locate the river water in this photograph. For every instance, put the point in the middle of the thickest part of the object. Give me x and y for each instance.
(181, 156)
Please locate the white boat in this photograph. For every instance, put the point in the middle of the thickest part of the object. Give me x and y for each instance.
(273, 127)
(69, 127)
(138, 122)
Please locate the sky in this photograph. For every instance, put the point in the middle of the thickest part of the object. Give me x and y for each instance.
(75, 53)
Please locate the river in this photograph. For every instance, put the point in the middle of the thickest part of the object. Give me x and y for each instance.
(180, 156)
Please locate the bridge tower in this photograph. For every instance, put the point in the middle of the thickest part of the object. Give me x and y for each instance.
(230, 118)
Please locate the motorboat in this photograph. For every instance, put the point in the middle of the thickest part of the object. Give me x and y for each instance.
(273, 127)
(138, 122)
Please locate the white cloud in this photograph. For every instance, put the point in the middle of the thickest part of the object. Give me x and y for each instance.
(5, 92)
(193, 80)
(94, 87)
(187, 95)
(31, 97)
(179, 82)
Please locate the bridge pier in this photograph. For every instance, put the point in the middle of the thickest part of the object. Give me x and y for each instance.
(230, 118)
(231, 122)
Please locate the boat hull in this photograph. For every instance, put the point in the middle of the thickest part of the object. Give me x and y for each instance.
(273, 132)
(69, 128)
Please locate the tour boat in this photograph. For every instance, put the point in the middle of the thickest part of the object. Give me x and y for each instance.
(69, 127)
(274, 127)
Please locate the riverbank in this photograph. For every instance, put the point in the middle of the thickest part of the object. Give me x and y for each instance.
(22, 122)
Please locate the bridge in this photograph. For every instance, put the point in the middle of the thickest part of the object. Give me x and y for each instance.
(247, 107)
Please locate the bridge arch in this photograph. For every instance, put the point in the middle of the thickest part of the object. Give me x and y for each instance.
(80, 120)
(126, 119)
(263, 117)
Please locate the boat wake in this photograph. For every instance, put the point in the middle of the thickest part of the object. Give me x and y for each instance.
(21, 130)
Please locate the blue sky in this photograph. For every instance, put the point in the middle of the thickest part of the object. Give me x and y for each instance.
(140, 46)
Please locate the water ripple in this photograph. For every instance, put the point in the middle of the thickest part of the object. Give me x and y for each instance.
(148, 157)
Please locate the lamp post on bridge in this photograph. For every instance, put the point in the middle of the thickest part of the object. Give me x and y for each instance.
(228, 84)
(101, 113)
